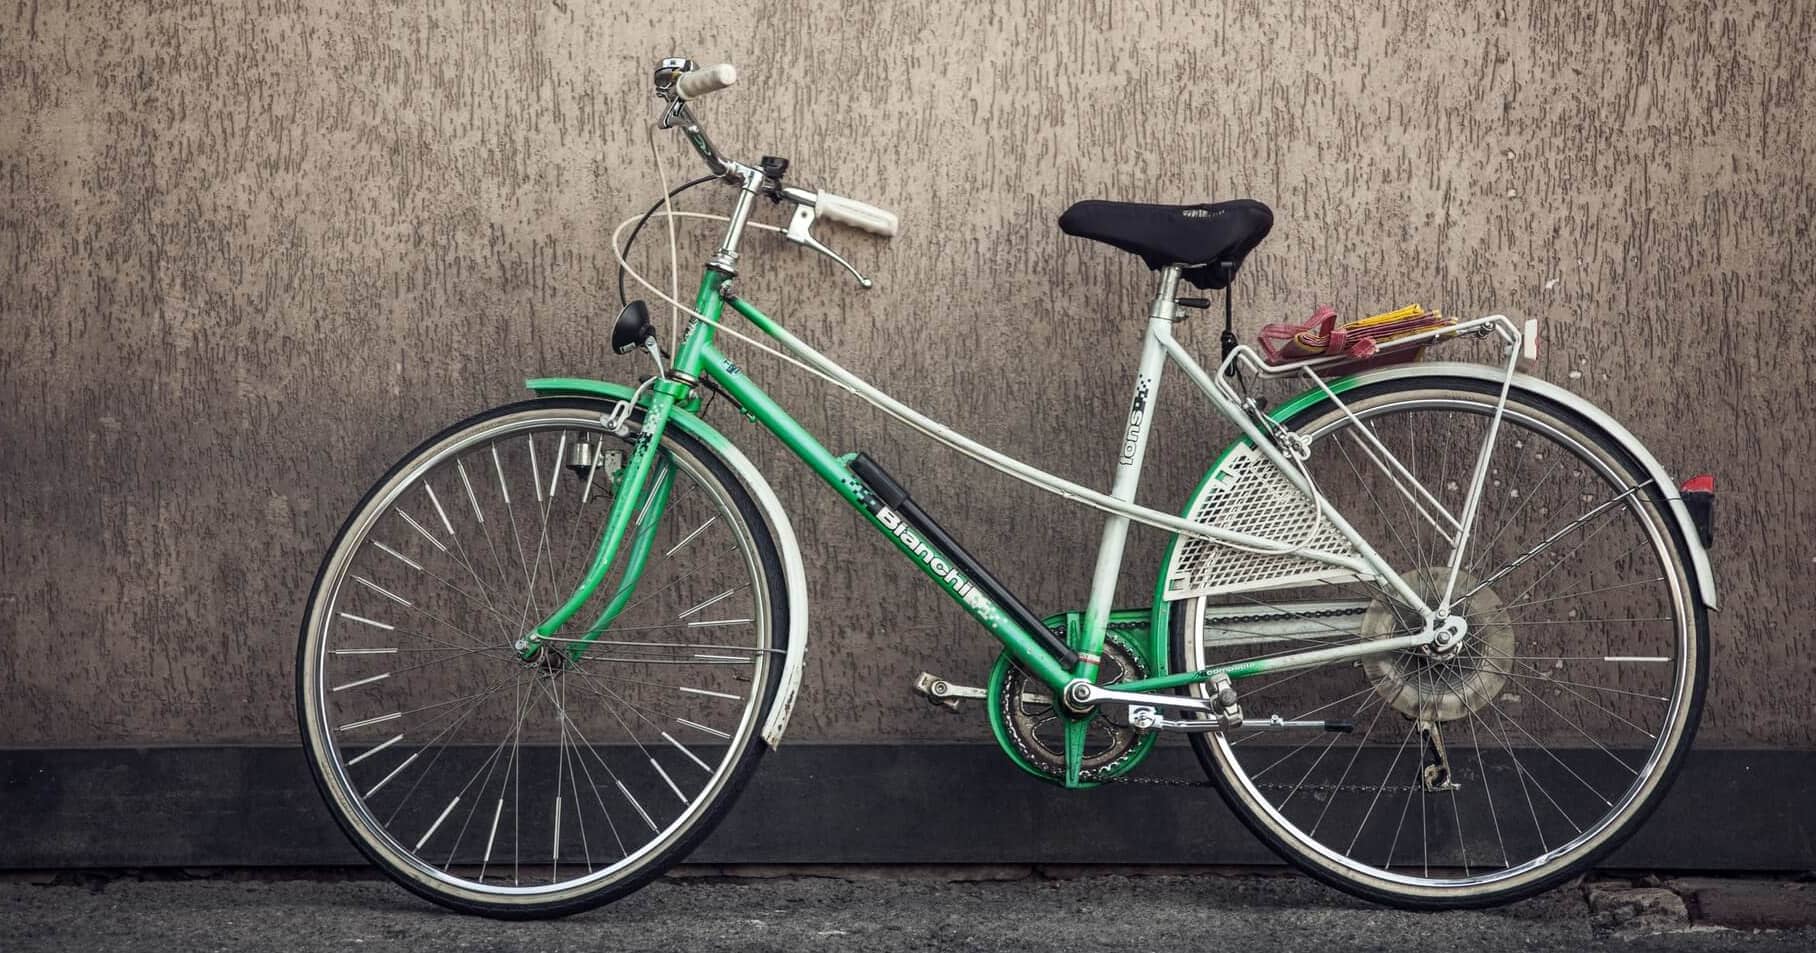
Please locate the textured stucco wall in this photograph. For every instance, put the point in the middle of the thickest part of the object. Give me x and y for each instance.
(251, 253)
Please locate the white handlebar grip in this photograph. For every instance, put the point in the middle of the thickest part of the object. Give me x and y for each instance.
(707, 79)
(858, 214)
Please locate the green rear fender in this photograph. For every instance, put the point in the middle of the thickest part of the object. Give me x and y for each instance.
(1160, 627)
(793, 569)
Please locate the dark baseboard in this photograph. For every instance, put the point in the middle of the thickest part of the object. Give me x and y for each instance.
(233, 806)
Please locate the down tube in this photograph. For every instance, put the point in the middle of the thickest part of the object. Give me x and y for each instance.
(1020, 644)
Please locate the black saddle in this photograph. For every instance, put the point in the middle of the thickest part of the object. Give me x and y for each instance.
(1209, 240)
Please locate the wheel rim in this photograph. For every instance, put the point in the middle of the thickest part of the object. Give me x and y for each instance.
(585, 770)
(1280, 782)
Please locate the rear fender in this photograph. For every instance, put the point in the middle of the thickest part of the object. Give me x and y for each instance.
(1699, 554)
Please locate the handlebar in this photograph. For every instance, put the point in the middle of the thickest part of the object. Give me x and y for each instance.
(678, 81)
(861, 215)
(710, 79)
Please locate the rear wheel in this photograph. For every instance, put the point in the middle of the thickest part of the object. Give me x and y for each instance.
(526, 789)
(1494, 771)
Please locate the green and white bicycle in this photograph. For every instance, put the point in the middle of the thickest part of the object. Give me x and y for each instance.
(1438, 632)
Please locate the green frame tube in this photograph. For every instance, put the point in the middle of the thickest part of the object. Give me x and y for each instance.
(1025, 648)
(698, 358)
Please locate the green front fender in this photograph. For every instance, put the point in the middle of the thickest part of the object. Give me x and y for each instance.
(793, 568)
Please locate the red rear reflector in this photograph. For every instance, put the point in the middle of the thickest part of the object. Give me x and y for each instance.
(1701, 483)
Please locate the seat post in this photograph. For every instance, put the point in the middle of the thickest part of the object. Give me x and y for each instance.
(1165, 299)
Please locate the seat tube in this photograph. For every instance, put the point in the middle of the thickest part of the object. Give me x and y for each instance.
(1134, 448)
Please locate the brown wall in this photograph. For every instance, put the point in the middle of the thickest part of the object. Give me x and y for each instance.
(251, 253)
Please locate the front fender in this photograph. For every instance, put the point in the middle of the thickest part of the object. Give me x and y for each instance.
(793, 569)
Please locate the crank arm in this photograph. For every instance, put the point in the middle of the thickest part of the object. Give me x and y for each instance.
(941, 692)
(1083, 694)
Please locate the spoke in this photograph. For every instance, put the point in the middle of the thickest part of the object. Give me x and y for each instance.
(672, 583)
(1581, 521)
(1662, 618)
(489, 766)
(1349, 766)
(1372, 499)
(1526, 499)
(1378, 791)
(686, 751)
(1524, 774)
(619, 782)
(485, 528)
(1540, 698)
(1542, 679)
(485, 592)
(1494, 816)
(439, 746)
(1585, 592)
(523, 563)
(542, 536)
(690, 536)
(1334, 738)
(1400, 826)
(710, 601)
(1538, 679)
(561, 761)
(481, 601)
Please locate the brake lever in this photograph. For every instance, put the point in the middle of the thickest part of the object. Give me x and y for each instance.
(798, 233)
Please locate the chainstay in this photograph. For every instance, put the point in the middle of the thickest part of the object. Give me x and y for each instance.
(1205, 783)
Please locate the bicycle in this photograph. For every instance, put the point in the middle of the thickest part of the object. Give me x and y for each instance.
(1360, 626)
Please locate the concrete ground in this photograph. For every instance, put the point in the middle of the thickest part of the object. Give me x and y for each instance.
(876, 910)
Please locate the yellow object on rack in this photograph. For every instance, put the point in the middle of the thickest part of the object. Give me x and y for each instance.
(1388, 316)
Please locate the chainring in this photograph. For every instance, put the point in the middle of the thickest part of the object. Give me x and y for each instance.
(1024, 714)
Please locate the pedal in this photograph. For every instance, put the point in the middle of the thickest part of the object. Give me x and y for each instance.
(938, 691)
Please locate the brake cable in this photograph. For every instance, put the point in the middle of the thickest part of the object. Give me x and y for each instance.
(632, 240)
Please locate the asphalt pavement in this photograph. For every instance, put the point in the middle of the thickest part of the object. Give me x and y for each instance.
(882, 910)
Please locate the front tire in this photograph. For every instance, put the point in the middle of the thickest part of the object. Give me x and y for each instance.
(521, 790)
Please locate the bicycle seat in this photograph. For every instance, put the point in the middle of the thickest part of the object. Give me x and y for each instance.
(1210, 240)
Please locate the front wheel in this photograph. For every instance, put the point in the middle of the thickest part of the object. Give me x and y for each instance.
(1491, 772)
(509, 788)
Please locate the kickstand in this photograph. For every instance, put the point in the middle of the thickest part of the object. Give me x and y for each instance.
(1434, 764)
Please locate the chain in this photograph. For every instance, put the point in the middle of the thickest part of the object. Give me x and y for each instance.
(1275, 616)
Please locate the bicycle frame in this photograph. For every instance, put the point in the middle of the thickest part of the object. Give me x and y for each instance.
(638, 498)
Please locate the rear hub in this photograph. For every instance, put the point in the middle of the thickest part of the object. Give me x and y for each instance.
(1461, 673)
